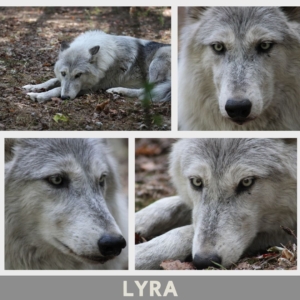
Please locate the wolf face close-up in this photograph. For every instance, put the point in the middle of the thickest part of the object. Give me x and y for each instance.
(235, 193)
(238, 69)
(63, 205)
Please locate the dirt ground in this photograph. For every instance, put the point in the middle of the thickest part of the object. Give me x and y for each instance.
(152, 182)
(29, 44)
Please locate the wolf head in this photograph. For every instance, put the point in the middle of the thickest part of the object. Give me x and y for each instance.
(61, 197)
(77, 69)
(244, 57)
(240, 190)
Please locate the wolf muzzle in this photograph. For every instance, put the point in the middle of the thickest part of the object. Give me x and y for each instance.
(238, 110)
(110, 245)
(203, 262)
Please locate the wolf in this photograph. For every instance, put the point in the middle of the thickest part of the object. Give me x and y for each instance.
(233, 197)
(239, 69)
(63, 206)
(118, 64)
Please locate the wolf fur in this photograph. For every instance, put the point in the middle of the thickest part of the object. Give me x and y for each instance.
(239, 69)
(233, 197)
(63, 205)
(118, 64)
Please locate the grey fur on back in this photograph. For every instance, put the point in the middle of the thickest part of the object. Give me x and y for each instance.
(119, 64)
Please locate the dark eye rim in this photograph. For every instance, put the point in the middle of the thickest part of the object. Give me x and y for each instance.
(241, 188)
(63, 74)
(78, 75)
(102, 179)
(259, 49)
(196, 187)
(216, 51)
(64, 180)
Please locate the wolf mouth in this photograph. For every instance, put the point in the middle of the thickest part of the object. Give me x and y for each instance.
(94, 259)
(241, 121)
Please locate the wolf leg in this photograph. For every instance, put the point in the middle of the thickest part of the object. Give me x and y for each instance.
(132, 93)
(160, 92)
(52, 83)
(43, 97)
(175, 244)
(162, 216)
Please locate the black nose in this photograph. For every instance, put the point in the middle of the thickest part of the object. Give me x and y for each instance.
(64, 97)
(202, 262)
(238, 109)
(110, 245)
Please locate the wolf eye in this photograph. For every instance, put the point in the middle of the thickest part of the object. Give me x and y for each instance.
(63, 74)
(246, 182)
(264, 46)
(196, 182)
(102, 180)
(218, 48)
(78, 75)
(56, 179)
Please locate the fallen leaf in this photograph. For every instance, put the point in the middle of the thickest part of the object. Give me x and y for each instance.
(287, 254)
(148, 150)
(102, 105)
(177, 265)
(60, 117)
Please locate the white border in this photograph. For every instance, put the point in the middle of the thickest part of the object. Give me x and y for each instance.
(139, 134)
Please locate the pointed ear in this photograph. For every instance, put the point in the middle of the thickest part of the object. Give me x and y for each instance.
(94, 50)
(64, 45)
(9, 144)
(195, 13)
(292, 13)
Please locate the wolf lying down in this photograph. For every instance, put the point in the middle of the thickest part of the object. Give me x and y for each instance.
(233, 196)
(118, 64)
(63, 206)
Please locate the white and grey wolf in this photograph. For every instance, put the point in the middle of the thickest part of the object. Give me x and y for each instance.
(118, 64)
(233, 197)
(63, 205)
(239, 69)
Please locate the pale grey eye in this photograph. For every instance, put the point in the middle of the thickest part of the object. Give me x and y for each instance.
(265, 46)
(247, 181)
(218, 47)
(196, 182)
(55, 179)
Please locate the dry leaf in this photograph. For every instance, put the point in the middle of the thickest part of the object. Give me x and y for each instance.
(177, 265)
(287, 254)
(148, 150)
(102, 105)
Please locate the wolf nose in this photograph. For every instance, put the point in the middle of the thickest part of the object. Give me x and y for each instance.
(238, 109)
(202, 262)
(64, 97)
(110, 245)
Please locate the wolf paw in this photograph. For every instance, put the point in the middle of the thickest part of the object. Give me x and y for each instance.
(114, 91)
(29, 88)
(36, 97)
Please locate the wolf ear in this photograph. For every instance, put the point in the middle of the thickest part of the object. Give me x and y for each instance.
(9, 144)
(290, 141)
(94, 50)
(292, 13)
(64, 45)
(195, 13)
